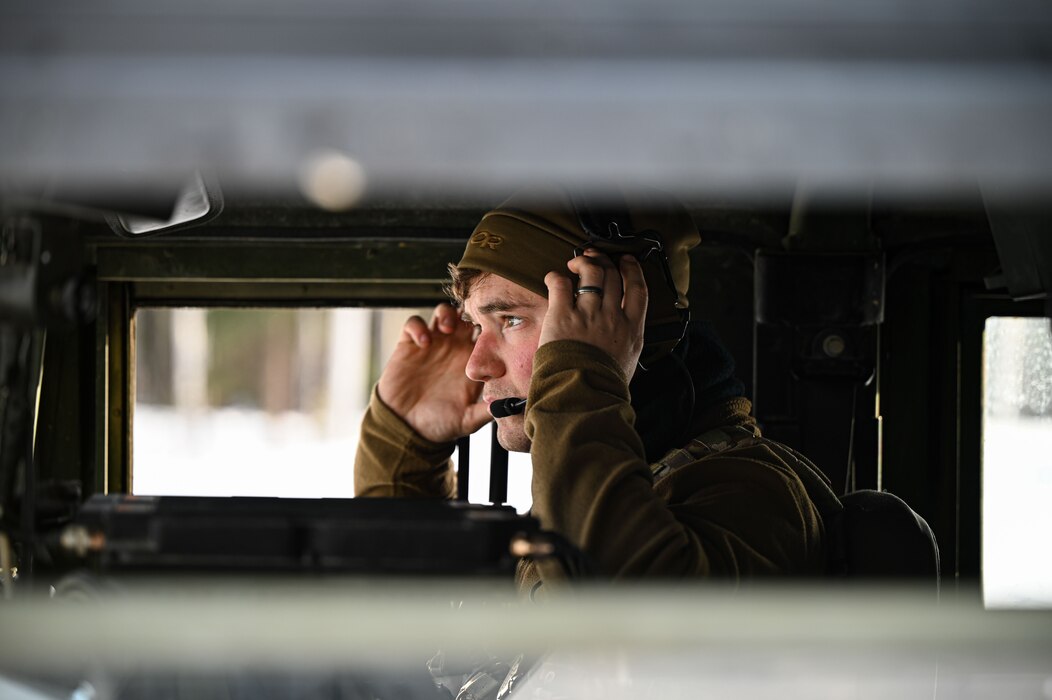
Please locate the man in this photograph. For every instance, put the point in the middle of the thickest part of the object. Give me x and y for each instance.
(550, 319)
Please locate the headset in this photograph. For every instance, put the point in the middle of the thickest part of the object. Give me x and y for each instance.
(609, 229)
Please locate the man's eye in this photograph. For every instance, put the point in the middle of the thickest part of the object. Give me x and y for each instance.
(510, 321)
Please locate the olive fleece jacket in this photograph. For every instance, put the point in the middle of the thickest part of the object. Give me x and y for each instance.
(739, 512)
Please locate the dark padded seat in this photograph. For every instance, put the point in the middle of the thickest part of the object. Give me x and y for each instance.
(878, 536)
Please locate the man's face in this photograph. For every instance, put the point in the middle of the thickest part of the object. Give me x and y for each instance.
(507, 319)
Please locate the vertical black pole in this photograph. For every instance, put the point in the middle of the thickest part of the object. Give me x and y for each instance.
(32, 363)
(498, 472)
(463, 467)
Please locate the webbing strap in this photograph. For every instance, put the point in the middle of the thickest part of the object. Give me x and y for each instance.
(723, 439)
(706, 444)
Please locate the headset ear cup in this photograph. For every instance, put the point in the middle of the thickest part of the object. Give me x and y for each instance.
(665, 323)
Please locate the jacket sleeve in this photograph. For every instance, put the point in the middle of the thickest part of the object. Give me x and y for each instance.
(394, 461)
(591, 483)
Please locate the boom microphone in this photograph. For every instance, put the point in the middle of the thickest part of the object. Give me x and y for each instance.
(511, 406)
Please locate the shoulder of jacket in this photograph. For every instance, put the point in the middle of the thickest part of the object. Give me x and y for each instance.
(705, 445)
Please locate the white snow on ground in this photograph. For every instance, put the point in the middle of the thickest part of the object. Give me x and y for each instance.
(245, 452)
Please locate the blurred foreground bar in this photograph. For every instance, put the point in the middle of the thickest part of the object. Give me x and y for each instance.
(922, 99)
(694, 639)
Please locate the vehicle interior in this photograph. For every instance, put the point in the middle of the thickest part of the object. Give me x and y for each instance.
(215, 219)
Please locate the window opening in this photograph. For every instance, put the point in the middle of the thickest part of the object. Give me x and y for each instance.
(266, 401)
(1017, 462)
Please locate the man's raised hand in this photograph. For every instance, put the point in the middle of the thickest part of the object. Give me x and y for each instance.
(424, 381)
(607, 309)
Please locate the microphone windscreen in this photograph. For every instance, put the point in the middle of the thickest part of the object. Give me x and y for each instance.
(511, 406)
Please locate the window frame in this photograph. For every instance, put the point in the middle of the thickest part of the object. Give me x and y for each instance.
(236, 273)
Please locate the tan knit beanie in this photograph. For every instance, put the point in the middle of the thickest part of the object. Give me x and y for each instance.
(537, 230)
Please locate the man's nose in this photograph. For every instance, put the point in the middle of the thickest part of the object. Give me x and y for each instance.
(484, 362)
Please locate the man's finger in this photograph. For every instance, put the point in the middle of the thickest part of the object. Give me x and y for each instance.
(599, 257)
(560, 291)
(445, 318)
(613, 284)
(589, 269)
(635, 299)
(590, 274)
(416, 331)
(476, 416)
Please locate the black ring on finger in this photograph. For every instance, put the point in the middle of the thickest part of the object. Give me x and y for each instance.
(588, 289)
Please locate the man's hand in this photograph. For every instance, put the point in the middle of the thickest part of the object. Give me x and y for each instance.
(610, 319)
(424, 380)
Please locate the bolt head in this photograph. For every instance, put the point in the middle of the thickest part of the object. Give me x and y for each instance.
(834, 346)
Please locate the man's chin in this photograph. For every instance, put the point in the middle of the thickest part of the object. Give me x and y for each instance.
(511, 434)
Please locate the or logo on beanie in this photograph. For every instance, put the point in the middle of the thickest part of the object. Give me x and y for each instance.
(485, 239)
